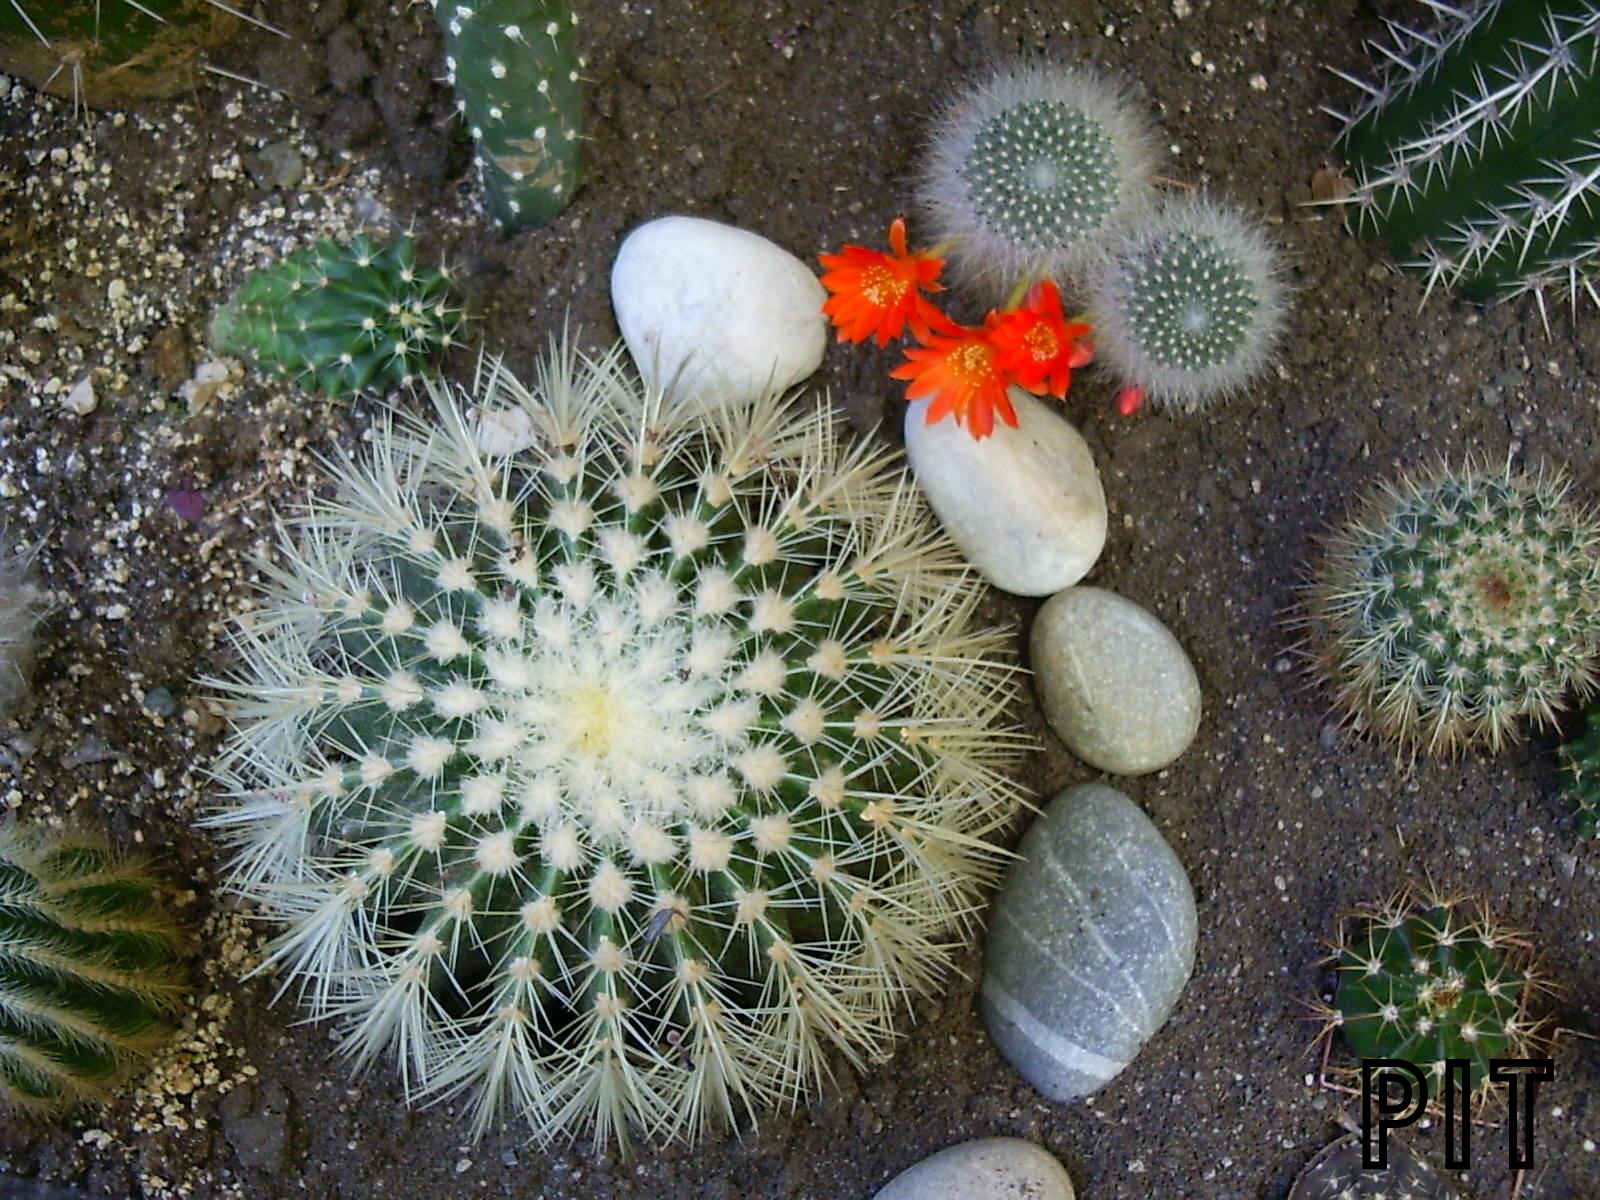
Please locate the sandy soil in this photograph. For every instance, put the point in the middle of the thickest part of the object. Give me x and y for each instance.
(801, 120)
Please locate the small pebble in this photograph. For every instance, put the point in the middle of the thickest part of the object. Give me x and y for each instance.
(81, 399)
(986, 1169)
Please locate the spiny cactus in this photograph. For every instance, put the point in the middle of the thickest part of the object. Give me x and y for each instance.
(1457, 604)
(1477, 151)
(21, 605)
(515, 67)
(619, 778)
(89, 968)
(1188, 306)
(1580, 774)
(1030, 172)
(1424, 980)
(343, 319)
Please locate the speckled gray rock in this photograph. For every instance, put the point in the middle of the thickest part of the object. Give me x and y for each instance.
(986, 1169)
(1114, 683)
(1091, 942)
(1024, 505)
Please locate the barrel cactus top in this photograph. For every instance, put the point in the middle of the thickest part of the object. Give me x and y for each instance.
(617, 758)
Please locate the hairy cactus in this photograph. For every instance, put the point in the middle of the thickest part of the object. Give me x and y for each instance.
(1477, 151)
(89, 968)
(21, 605)
(1457, 604)
(343, 319)
(1580, 774)
(619, 777)
(1188, 305)
(1422, 980)
(1031, 171)
(515, 67)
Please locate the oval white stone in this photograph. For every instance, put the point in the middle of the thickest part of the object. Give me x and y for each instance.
(714, 313)
(998, 1168)
(1091, 942)
(1024, 505)
(1114, 683)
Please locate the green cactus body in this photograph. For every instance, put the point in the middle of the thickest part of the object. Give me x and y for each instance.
(89, 968)
(1457, 605)
(343, 319)
(1580, 774)
(617, 771)
(1477, 154)
(516, 71)
(1421, 982)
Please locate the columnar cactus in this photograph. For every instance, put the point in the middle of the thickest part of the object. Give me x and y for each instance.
(614, 759)
(516, 70)
(343, 319)
(1457, 604)
(21, 604)
(1477, 151)
(90, 968)
(1188, 306)
(1030, 172)
(1422, 980)
(1580, 774)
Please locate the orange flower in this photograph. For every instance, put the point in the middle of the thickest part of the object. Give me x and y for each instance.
(1036, 346)
(959, 371)
(876, 295)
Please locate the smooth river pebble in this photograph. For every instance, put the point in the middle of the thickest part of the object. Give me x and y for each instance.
(987, 1169)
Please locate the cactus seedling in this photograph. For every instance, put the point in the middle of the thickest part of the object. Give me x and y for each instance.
(343, 319)
(1188, 306)
(618, 778)
(1458, 604)
(1031, 171)
(515, 67)
(21, 603)
(1423, 980)
(1580, 774)
(89, 968)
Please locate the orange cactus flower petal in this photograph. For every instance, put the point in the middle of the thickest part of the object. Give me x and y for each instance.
(959, 376)
(1037, 346)
(877, 295)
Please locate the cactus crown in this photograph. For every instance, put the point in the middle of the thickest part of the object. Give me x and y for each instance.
(343, 319)
(1424, 981)
(1477, 151)
(1580, 774)
(1032, 170)
(1189, 305)
(1458, 604)
(617, 778)
(89, 968)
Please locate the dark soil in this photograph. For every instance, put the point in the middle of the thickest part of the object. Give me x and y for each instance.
(802, 121)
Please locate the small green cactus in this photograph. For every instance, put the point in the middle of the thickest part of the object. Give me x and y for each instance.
(1477, 151)
(90, 968)
(1188, 306)
(1580, 774)
(343, 319)
(1458, 604)
(1423, 980)
(516, 70)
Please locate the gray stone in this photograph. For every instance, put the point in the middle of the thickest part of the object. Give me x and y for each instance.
(1114, 683)
(276, 165)
(991, 1168)
(1091, 942)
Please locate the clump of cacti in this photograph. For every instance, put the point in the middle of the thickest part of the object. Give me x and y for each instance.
(516, 71)
(1188, 305)
(1580, 774)
(1476, 152)
(1031, 171)
(615, 759)
(1423, 979)
(21, 605)
(1458, 604)
(90, 968)
(343, 319)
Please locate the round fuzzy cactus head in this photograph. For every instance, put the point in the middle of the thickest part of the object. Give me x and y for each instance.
(1188, 305)
(1030, 172)
(1457, 605)
(616, 760)
(1425, 981)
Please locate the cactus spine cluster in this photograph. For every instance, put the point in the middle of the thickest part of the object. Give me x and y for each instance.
(516, 71)
(1580, 774)
(618, 770)
(1422, 980)
(1458, 604)
(343, 319)
(21, 604)
(1188, 305)
(89, 968)
(1477, 151)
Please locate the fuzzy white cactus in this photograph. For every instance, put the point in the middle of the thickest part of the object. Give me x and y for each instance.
(617, 779)
(21, 605)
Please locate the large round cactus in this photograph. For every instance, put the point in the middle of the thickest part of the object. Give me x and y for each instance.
(620, 776)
